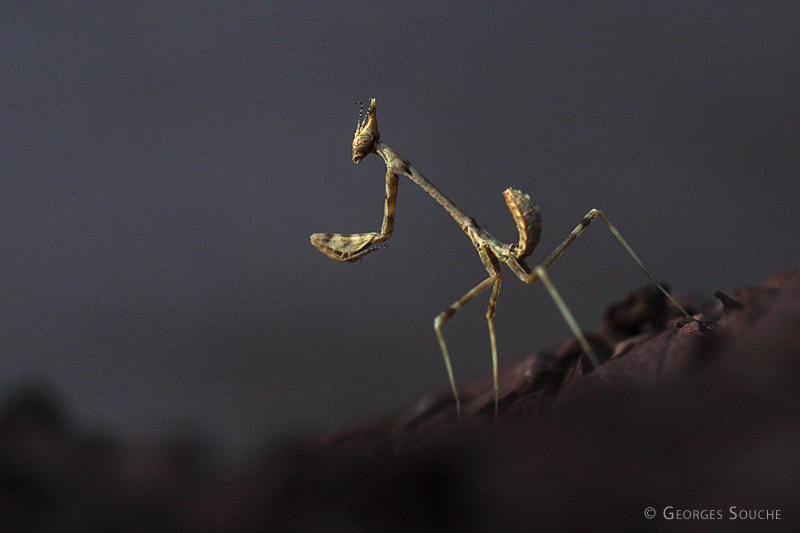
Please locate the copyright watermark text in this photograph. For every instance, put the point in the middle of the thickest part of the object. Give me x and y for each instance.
(732, 513)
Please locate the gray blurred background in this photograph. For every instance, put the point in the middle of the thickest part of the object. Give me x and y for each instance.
(162, 167)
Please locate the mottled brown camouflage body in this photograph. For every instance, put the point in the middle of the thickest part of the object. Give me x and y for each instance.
(492, 252)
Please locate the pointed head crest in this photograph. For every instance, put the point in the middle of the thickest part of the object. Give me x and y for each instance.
(366, 133)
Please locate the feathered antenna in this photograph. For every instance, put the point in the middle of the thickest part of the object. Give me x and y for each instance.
(360, 112)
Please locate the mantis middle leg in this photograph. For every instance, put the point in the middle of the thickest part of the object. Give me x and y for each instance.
(494, 279)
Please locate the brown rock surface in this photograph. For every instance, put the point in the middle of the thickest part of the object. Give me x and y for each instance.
(683, 416)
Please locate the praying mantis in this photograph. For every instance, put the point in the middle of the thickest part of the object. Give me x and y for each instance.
(492, 252)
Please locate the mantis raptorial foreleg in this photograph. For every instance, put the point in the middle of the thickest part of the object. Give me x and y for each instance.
(353, 246)
(350, 247)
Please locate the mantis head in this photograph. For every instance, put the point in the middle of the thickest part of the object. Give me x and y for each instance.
(366, 134)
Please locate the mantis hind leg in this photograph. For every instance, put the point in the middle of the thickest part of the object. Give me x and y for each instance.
(529, 275)
(590, 217)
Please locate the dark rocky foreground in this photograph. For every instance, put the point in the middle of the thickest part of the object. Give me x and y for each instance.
(689, 418)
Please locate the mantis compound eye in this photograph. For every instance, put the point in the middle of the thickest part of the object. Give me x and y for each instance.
(362, 144)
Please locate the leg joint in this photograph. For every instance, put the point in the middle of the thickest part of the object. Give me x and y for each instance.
(442, 317)
(590, 216)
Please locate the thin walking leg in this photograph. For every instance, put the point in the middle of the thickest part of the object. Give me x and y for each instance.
(588, 219)
(539, 273)
(493, 341)
(493, 279)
